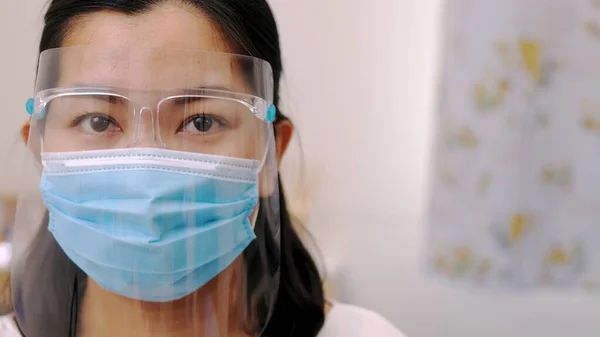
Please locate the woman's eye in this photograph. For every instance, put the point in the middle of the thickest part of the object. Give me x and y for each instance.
(97, 124)
(201, 124)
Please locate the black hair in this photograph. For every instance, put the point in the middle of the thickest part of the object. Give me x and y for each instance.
(250, 29)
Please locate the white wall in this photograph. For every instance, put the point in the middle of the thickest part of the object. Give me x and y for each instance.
(20, 27)
(361, 77)
(360, 87)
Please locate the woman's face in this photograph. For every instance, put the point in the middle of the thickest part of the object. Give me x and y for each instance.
(145, 57)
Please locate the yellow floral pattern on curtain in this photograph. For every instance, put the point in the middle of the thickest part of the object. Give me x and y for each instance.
(516, 172)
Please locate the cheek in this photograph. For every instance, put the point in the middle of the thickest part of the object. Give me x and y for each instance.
(56, 144)
(263, 150)
(54, 140)
(53, 135)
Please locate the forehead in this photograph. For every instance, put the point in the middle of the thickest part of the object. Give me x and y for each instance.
(158, 48)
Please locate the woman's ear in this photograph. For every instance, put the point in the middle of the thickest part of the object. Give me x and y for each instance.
(284, 129)
(25, 132)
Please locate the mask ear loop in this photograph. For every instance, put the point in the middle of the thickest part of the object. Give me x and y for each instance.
(266, 154)
(41, 145)
(270, 143)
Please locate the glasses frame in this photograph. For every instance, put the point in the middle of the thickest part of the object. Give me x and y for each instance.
(259, 107)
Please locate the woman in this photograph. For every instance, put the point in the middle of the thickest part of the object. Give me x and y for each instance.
(156, 126)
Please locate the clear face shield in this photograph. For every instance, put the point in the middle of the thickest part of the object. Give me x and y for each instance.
(159, 205)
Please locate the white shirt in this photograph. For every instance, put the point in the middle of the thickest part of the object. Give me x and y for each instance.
(345, 320)
(8, 327)
(342, 321)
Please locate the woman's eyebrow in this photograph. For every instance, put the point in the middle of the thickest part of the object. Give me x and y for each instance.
(212, 87)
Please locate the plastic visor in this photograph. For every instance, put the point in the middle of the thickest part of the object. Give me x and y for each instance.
(158, 203)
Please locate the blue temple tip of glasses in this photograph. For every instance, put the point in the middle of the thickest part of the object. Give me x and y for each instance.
(271, 113)
(29, 106)
(41, 115)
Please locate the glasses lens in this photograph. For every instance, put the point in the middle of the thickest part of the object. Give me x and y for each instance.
(217, 126)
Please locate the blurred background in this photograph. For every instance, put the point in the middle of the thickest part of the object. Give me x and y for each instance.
(361, 84)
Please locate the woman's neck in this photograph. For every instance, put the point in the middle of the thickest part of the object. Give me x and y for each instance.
(105, 314)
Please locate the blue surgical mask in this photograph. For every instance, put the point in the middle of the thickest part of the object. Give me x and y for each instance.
(150, 224)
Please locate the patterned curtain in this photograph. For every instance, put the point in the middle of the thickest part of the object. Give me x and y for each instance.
(516, 172)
